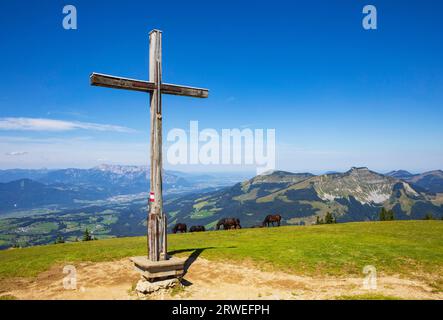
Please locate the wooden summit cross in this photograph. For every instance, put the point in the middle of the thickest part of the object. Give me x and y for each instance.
(157, 224)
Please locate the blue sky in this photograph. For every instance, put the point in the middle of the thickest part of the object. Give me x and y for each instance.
(336, 94)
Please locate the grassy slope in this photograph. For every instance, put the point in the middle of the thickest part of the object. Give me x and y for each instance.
(392, 247)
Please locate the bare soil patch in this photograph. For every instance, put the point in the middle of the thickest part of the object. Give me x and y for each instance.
(210, 280)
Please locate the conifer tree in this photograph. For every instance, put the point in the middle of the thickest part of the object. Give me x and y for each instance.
(428, 216)
(87, 235)
(390, 215)
(329, 219)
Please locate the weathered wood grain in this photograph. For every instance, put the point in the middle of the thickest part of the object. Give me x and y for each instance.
(157, 222)
(155, 234)
(107, 81)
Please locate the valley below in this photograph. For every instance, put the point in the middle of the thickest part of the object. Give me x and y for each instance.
(40, 207)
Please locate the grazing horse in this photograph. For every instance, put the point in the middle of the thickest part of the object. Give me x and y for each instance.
(197, 229)
(180, 227)
(271, 218)
(228, 223)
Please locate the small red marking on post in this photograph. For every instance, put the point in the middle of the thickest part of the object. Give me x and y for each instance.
(151, 197)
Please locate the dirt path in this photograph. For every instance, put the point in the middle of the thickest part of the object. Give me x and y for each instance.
(207, 280)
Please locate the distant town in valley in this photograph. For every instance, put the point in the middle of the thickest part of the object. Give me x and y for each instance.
(45, 206)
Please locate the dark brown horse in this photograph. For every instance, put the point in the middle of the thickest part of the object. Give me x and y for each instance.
(197, 229)
(228, 223)
(180, 227)
(271, 218)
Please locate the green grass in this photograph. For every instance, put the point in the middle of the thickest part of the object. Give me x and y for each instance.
(201, 214)
(399, 247)
(7, 297)
(43, 227)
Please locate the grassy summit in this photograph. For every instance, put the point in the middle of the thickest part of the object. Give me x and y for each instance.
(398, 247)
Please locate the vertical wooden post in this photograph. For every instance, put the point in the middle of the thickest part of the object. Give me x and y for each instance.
(156, 222)
(164, 246)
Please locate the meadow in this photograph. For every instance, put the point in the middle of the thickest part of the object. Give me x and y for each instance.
(397, 247)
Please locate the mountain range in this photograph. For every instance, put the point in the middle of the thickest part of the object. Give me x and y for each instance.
(431, 181)
(37, 206)
(27, 189)
(355, 195)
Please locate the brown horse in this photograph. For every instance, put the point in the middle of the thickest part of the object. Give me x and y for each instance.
(197, 229)
(180, 227)
(228, 223)
(271, 218)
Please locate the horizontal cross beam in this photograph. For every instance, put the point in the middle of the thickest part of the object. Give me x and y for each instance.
(103, 80)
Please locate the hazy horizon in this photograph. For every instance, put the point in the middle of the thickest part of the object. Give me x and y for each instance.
(238, 171)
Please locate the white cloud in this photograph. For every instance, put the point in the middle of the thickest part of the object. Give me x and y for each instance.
(70, 152)
(41, 124)
(16, 153)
